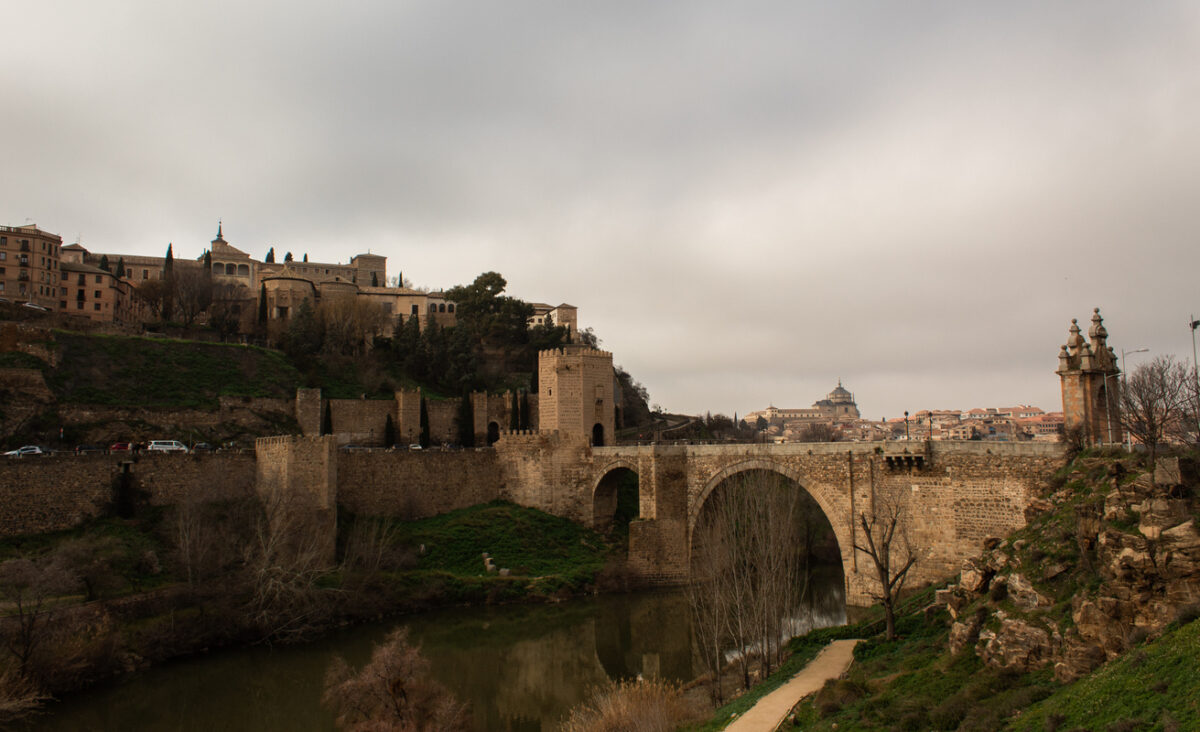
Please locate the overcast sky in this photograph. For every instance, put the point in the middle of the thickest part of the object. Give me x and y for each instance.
(747, 201)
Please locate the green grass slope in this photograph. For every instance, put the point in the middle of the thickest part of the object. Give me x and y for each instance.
(132, 371)
(1156, 687)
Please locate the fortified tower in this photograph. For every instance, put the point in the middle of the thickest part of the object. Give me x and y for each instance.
(575, 392)
(1091, 391)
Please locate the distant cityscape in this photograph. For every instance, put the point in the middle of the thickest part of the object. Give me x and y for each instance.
(837, 417)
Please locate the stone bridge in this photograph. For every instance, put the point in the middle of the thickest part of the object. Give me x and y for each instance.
(954, 494)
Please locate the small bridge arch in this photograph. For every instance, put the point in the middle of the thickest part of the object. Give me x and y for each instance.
(606, 493)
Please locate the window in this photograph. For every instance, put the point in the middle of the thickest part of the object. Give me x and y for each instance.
(1, 285)
(442, 308)
(243, 270)
(82, 280)
(145, 274)
(98, 279)
(1, 270)
(231, 269)
(3, 241)
(450, 307)
(416, 310)
(96, 306)
(79, 304)
(432, 308)
(3, 256)
(96, 295)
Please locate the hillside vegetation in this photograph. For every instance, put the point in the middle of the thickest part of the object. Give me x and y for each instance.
(123, 370)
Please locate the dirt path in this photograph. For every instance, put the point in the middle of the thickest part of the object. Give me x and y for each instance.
(766, 715)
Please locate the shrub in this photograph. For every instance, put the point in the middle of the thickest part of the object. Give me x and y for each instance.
(631, 706)
(393, 691)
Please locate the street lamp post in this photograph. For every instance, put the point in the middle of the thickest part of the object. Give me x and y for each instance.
(1195, 371)
(1124, 384)
(906, 424)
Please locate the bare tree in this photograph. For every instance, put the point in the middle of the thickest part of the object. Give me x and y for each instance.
(193, 292)
(886, 542)
(285, 560)
(748, 571)
(820, 432)
(350, 323)
(27, 588)
(394, 691)
(1154, 400)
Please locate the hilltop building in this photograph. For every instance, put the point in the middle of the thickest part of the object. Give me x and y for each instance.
(837, 406)
(29, 265)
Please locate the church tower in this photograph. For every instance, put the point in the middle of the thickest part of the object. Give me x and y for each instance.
(1091, 390)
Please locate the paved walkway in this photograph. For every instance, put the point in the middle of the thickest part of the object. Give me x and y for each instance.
(770, 711)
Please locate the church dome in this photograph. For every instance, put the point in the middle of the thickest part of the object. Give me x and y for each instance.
(840, 394)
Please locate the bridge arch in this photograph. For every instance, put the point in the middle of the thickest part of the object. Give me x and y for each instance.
(818, 491)
(606, 495)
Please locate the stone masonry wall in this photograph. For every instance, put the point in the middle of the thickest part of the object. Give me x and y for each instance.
(408, 484)
(56, 493)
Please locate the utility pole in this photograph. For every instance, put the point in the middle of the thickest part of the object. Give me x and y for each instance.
(1124, 384)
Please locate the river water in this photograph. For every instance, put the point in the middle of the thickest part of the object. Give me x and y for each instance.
(521, 668)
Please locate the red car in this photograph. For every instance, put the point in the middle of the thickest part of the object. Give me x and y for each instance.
(119, 447)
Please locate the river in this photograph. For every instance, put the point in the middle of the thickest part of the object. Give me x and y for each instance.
(521, 668)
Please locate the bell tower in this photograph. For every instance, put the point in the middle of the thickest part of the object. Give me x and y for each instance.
(1091, 389)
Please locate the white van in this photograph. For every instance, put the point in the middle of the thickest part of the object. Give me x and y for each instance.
(166, 446)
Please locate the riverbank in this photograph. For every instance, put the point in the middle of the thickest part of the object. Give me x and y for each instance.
(114, 596)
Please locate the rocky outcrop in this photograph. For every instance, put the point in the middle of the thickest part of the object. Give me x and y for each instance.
(1136, 565)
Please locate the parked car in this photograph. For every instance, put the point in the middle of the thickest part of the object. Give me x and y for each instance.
(415, 446)
(202, 447)
(166, 446)
(82, 449)
(120, 447)
(26, 451)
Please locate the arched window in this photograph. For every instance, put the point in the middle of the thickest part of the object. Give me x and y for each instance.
(244, 270)
(218, 268)
(450, 307)
(432, 308)
(230, 269)
(493, 433)
(598, 435)
(442, 308)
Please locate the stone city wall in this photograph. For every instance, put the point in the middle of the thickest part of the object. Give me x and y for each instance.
(57, 493)
(412, 484)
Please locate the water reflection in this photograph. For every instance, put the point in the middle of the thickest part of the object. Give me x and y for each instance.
(520, 668)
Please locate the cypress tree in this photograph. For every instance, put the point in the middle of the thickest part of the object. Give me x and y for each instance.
(287, 257)
(327, 421)
(424, 439)
(121, 271)
(262, 303)
(169, 279)
(466, 421)
(514, 422)
(306, 256)
(389, 432)
(270, 256)
(104, 262)
(526, 418)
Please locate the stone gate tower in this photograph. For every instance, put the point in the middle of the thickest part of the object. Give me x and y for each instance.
(1091, 390)
(576, 394)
